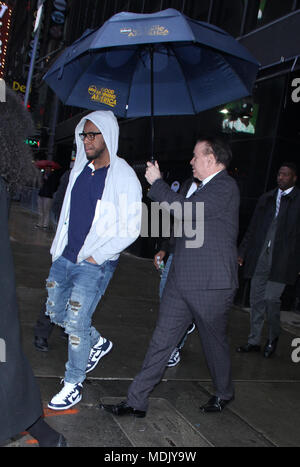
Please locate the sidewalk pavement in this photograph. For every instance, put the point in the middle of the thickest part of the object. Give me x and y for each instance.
(266, 408)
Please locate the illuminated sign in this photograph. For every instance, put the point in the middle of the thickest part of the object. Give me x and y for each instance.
(19, 87)
(2, 90)
(5, 24)
(35, 143)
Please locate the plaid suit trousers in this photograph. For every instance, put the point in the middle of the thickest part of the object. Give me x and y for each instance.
(209, 310)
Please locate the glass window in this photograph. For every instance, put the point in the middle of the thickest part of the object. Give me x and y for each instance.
(197, 10)
(134, 6)
(177, 4)
(250, 117)
(151, 6)
(269, 10)
(289, 126)
(80, 17)
(249, 167)
(251, 17)
(122, 5)
(228, 15)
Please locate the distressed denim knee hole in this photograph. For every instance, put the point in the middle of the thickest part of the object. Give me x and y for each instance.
(74, 340)
(75, 306)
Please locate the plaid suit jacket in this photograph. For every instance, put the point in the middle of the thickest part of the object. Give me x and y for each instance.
(213, 265)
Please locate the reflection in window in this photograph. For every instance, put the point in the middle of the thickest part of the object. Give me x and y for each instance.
(240, 117)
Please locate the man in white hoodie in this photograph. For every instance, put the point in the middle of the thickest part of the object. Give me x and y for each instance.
(100, 217)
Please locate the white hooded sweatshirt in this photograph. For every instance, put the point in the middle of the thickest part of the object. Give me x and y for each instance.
(117, 220)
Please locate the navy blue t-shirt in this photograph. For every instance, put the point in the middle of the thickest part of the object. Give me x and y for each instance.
(86, 191)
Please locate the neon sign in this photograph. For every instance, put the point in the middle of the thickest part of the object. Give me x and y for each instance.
(5, 24)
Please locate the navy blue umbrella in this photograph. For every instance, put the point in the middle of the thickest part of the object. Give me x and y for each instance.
(153, 64)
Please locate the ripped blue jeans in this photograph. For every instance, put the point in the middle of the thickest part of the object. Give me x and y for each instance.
(74, 291)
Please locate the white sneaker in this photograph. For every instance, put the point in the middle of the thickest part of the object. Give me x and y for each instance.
(67, 397)
(174, 358)
(191, 328)
(98, 351)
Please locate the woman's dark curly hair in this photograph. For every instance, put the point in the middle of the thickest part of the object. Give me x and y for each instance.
(16, 125)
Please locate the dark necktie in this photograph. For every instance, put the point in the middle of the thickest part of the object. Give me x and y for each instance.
(200, 186)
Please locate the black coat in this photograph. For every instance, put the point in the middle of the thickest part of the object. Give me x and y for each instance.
(49, 186)
(286, 248)
(20, 402)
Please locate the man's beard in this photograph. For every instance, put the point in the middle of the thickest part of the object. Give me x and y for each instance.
(90, 157)
(96, 155)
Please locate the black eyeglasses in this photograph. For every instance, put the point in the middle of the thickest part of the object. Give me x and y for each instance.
(90, 135)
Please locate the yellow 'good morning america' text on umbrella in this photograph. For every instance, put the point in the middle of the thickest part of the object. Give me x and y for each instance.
(103, 95)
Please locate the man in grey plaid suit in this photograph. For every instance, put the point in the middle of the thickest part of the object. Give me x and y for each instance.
(202, 279)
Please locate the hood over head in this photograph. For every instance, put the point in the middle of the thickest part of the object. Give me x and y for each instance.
(108, 125)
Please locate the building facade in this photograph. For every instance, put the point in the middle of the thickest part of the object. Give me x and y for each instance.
(263, 130)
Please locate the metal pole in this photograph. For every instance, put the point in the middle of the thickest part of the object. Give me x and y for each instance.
(152, 104)
(242, 30)
(34, 50)
(211, 5)
(53, 123)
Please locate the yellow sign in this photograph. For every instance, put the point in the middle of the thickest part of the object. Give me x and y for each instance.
(19, 87)
(103, 95)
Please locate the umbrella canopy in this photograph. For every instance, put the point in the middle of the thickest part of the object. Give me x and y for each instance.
(196, 66)
(153, 64)
(42, 164)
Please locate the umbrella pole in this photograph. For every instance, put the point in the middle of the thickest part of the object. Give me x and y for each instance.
(152, 103)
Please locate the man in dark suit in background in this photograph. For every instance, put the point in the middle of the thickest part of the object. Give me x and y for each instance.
(271, 251)
(202, 280)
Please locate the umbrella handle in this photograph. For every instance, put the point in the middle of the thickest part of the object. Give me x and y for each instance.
(152, 158)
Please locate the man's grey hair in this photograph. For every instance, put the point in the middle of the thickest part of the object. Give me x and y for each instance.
(16, 125)
(219, 147)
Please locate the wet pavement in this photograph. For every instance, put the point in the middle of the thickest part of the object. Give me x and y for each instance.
(266, 408)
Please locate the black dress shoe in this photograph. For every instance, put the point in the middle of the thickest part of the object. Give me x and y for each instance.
(215, 404)
(41, 344)
(270, 348)
(248, 348)
(123, 409)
